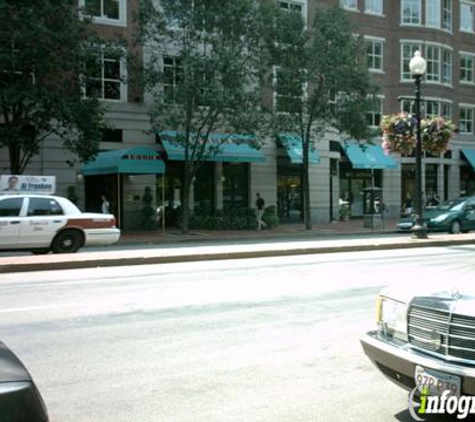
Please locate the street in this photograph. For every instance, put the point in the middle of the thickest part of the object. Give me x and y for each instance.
(268, 339)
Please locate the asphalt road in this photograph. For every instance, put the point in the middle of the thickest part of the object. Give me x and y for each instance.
(268, 340)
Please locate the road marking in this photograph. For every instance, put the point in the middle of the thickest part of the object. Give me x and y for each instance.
(36, 308)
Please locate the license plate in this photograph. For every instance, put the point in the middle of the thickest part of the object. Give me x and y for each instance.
(437, 381)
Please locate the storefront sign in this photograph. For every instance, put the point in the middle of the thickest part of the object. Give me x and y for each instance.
(14, 184)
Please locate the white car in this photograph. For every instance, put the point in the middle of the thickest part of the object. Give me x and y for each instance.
(41, 223)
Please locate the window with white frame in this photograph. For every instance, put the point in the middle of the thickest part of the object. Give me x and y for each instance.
(429, 108)
(407, 53)
(466, 68)
(467, 16)
(432, 108)
(446, 110)
(433, 13)
(447, 15)
(411, 12)
(106, 78)
(106, 11)
(446, 66)
(349, 4)
(288, 92)
(375, 114)
(295, 6)
(172, 72)
(466, 119)
(433, 63)
(374, 7)
(374, 54)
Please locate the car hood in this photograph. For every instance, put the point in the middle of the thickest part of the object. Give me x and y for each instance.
(461, 295)
(11, 368)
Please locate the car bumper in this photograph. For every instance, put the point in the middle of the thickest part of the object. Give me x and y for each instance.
(397, 361)
(102, 237)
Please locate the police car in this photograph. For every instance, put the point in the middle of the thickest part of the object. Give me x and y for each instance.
(43, 223)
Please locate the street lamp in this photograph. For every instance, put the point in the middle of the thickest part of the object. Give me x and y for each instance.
(417, 66)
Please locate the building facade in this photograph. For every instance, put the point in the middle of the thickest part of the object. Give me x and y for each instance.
(443, 30)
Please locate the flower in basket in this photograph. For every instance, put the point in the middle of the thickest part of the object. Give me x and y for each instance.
(399, 133)
(436, 134)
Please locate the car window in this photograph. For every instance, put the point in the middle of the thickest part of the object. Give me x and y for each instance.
(44, 206)
(453, 205)
(10, 207)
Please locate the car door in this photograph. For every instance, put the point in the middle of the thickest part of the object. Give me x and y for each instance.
(10, 221)
(44, 217)
(469, 215)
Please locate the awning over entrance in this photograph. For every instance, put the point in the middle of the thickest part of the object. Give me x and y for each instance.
(138, 160)
(470, 156)
(369, 157)
(221, 148)
(293, 147)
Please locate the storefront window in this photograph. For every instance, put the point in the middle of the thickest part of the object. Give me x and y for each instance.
(289, 190)
(352, 183)
(204, 190)
(467, 180)
(431, 182)
(235, 185)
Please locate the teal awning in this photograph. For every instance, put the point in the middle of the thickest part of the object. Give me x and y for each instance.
(369, 157)
(221, 148)
(293, 147)
(139, 160)
(470, 156)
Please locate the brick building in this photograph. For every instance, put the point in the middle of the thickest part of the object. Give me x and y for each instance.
(444, 31)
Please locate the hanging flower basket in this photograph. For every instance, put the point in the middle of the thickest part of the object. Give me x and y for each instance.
(400, 131)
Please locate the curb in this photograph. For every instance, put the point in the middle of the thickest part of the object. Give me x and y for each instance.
(63, 262)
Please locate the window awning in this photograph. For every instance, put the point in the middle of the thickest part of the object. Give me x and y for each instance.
(293, 147)
(138, 160)
(470, 156)
(222, 148)
(369, 157)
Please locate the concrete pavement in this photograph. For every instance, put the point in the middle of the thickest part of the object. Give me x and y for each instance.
(156, 248)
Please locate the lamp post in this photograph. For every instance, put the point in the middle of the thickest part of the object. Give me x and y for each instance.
(417, 66)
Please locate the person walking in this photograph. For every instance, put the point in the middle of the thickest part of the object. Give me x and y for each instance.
(105, 205)
(260, 204)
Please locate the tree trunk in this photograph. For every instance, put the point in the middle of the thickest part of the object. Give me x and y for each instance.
(185, 204)
(14, 154)
(307, 215)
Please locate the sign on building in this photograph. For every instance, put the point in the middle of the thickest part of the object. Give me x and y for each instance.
(14, 184)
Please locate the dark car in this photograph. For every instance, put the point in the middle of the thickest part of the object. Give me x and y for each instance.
(20, 400)
(455, 216)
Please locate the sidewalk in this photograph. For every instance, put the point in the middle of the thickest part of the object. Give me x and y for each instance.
(284, 231)
(172, 247)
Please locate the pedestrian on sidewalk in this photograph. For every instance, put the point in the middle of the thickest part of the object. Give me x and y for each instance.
(105, 205)
(260, 204)
(407, 205)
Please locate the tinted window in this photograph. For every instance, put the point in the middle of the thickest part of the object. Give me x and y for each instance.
(44, 206)
(10, 207)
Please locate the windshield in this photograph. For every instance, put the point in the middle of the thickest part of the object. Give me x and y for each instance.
(453, 205)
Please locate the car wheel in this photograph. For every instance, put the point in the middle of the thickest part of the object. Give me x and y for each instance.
(68, 241)
(455, 227)
(40, 251)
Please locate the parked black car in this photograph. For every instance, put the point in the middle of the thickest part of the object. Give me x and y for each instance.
(20, 400)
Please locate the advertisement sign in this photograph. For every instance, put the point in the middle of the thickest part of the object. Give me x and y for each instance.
(14, 184)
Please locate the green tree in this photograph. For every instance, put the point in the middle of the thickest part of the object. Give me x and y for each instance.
(44, 46)
(320, 80)
(202, 65)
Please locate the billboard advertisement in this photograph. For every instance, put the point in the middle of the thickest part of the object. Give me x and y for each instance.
(15, 184)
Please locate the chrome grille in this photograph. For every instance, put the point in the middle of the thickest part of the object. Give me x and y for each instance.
(437, 331)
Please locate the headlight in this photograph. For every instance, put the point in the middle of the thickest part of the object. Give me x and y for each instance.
(440, 218)
(392, 318)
